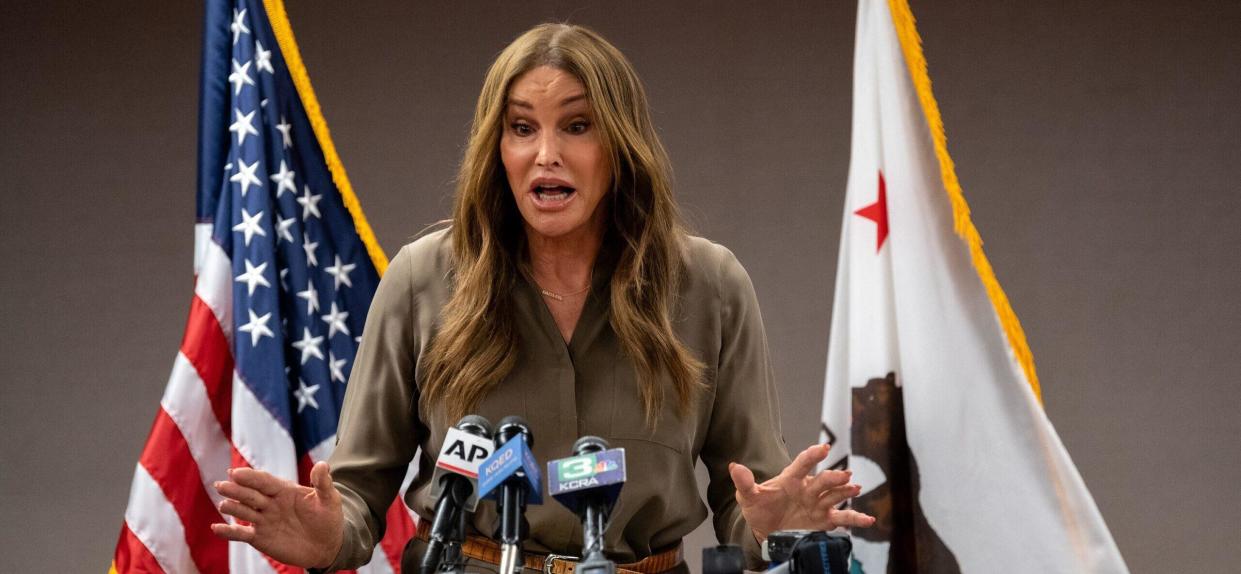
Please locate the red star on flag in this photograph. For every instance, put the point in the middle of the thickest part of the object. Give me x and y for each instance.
(878, 212)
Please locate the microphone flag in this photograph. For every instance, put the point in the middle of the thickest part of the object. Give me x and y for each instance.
(462, 453)
(285, 268)
(931, 394)
(600, 473)
(512, 458)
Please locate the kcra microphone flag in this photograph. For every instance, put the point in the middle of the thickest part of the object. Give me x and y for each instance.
(286, 267)
(931, 395)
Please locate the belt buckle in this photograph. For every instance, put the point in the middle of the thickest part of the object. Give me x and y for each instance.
(549, 562)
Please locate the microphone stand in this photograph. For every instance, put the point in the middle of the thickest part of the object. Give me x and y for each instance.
(513, 529)
(594, 520)
(447, 531)
(454, 560)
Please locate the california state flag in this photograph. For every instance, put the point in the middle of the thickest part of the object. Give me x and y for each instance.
(931, 394)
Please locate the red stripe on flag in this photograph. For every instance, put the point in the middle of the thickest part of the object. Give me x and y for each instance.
(304, 464)
(239, 461)
(132, 555)
(208, 350)
(400, 529)
(168, 459)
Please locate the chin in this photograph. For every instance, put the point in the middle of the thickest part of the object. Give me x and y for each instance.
(551, 231)
(556, 227)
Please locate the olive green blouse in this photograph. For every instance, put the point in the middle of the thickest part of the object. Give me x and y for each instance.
(565, 391)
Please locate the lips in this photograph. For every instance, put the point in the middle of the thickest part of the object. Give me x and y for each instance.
(551, 193)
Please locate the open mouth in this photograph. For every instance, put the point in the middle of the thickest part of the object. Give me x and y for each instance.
(553, 193)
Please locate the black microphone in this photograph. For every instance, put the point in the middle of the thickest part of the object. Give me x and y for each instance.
(588, 483)
(455, 482)
(511, 476)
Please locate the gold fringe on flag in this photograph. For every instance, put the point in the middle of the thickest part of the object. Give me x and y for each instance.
(293, 58)
(911, 45)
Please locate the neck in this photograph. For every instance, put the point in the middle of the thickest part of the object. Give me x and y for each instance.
(563, 264)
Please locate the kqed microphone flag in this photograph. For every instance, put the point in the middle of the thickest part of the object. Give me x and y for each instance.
(931, 394)
(286, 267)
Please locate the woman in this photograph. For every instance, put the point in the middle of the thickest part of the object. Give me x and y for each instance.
(565, 291)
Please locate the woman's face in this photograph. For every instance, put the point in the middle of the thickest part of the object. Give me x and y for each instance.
(553, 157)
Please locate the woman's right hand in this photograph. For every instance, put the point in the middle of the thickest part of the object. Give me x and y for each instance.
(298, 525)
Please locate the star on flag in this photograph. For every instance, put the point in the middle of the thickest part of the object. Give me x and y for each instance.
(262, 58)
(305, 395)
(253, 277)
(340, 272)
(310, 203)
(238, 27)
(309, 346)
(245, 176)
(878, 212)
(257, 327)
(335, 320)
(250, 225)
(240, 77)
(284, 180)
(243, 126)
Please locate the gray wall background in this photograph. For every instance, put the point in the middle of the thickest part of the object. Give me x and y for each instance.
(1099, 144)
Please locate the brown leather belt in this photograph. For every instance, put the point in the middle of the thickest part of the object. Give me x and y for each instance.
(488, 550)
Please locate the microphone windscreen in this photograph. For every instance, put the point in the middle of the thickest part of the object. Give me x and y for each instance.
(588, 444)
(512, 426)
(477, 425)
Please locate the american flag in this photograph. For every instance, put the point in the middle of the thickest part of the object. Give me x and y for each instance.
(286, 267)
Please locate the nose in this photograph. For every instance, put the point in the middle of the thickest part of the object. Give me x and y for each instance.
(549, 149)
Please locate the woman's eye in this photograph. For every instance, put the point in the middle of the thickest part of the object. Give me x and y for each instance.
(578, 127)
(522, 129)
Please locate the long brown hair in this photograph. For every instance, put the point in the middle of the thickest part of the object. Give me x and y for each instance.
(476, 346)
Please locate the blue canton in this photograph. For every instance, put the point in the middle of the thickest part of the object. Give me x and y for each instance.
(303, 280)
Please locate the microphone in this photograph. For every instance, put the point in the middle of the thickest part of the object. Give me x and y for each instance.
(455, 483)
(589, 483)
(510, 476)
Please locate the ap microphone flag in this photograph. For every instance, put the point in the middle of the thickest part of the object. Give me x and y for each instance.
(463, 453)
(931, 395)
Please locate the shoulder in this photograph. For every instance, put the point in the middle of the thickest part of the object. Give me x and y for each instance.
(709, 263)
(427, 259)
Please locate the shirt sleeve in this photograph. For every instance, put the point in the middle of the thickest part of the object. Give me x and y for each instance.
(745, 420)
(379, 430)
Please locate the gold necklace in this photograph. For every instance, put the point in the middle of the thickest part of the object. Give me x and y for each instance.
(561, 296)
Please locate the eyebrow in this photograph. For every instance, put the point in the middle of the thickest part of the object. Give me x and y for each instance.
(524, 104)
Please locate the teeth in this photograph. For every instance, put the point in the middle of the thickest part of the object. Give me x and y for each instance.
(552, 192)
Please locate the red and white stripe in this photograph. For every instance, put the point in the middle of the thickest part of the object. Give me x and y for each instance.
(208, 422)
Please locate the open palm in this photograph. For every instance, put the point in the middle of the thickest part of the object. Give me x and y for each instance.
(794, 499)
(295, 524)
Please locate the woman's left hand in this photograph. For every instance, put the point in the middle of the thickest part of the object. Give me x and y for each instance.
(794, 499)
